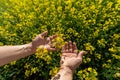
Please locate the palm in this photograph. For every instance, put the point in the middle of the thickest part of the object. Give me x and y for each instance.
(45, 42)
(70, 57)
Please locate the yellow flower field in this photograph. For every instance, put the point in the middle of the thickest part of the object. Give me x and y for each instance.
(93, 24)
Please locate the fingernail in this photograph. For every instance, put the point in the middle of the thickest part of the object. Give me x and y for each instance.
(84, 52)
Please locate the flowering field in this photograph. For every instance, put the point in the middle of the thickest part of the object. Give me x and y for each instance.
(93, 24)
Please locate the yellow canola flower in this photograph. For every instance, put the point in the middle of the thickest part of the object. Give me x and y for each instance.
(118, 68)
(109, 5)
(95, 73)
(116, 36)
(109, 61)
(53, 71)
(88, 59)
(13, 63)
(43, 28)
(118, 1)
(43, 54)
(105, 28)
(92, 7)
(26, 65)
(113, 50)
(59, 9)
(88, 46)
(48, 59)
(58, 42)
(102, 42)
(106, 66)
(87, 74)
(73, 10)
(27, 73)
(98, 55)
(83, 75)
(100, 1)
(117, 75)
(90, 69)
(68, 2)
(6, 66)
(34, 70)
(116, 56)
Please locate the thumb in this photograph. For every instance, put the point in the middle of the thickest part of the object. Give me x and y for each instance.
(81, 54)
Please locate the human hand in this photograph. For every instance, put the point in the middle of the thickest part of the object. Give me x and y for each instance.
(70, 57)
(40, 40)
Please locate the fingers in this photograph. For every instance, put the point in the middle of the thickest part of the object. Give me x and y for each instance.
(75, 50)
(50, 47)
(52, 37)
(70, 47)
(81, 54)
(49, 39)
(66, 47)
(63, 49)
(44, 33)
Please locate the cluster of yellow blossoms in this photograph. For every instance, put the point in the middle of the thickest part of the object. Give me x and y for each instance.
(87, 74)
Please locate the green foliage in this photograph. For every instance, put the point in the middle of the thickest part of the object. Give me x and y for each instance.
(92, 24)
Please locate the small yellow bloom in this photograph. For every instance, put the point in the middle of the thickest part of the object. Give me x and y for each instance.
(58, 42)
(117, 75)
(26, 65)
(109, 61)
(84, 76)
(112, 50)
(90, 69)
(6, 66)
(88, 59)
(116, 56)
(27, 73)
(92, 7)
(116, 36)
(34, 70)
(95, 73)
(59, 8)
(13, 63)
(54, 71)
(89, 47)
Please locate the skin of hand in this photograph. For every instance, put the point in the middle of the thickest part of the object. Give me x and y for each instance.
(70, 60)
(11, 53)
(40, 40)
(70, 56)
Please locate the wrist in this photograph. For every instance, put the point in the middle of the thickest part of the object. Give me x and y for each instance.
(65, 73)
(66, 70)
(28, 48)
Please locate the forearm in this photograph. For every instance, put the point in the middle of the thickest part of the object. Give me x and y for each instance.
(64, 74)
(11, 53)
